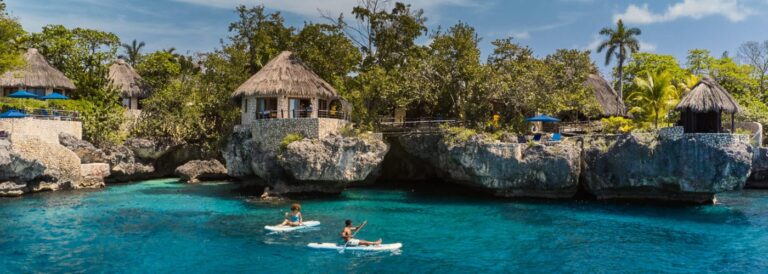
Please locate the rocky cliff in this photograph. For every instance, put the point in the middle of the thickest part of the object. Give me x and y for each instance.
(503, 169)
(687, 168)
(141, 159)
(310, 165)
(32, 165)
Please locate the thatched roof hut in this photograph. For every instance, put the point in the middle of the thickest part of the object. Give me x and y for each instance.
(285, 75)
(37, 73)
(608, 98)
(708, 96)
(124, 77)
(702, 108)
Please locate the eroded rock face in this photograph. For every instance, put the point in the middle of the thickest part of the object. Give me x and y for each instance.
(503, 169)
(333, 159)
(86, 151)
(692, 168)
(32, 165)
(238, 154)
(142, 159)
(197, 170)
(759, 176)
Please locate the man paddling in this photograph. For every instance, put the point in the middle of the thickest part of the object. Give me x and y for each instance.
(349, 237)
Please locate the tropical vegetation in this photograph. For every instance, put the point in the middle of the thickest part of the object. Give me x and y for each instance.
(376, 61)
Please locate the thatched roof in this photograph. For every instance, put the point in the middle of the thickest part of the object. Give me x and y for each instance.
(286, 75)
(608, 98)
(708, 96)
(127, 80)
(37, 73)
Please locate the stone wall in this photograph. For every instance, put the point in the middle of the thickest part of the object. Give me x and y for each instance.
(46, 130)
(269, 132)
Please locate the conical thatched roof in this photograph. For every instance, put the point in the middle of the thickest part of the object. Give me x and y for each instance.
(37, 73)
(708, 96)
(127, 80)
(285, 75)
(608, 98)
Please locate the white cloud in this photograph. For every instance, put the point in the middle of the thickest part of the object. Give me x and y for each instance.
(520, 35)
(312, 8)
(732, 10)
(647, 47)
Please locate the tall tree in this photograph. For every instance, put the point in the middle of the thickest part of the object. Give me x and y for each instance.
(261, 36)
(654, 97)
(387, 38)
(619, 42)
(132, 51)
(756, 55)
(10, 31)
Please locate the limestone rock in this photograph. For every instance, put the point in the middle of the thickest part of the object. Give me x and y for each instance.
(32, 165)
(691, 168)
(86, 151)
(503, 169)
(197, 170)
(125, 167)
(333, 159)
(146, 149)
(238, 153)
(759, 176)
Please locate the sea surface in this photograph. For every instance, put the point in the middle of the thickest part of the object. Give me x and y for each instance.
(161, 226)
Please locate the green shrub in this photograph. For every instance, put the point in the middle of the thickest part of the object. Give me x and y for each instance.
(290, 138)
(616, 124)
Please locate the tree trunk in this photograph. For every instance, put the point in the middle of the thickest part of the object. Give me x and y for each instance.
(621, 78)
(656, 121)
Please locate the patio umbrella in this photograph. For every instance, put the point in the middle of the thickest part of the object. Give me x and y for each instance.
(12, 114)
(542, 118)
(22, 94)
(55, 96)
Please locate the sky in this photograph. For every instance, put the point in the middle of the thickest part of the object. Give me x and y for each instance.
(668, 27)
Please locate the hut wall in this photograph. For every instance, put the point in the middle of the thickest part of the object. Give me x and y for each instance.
(270, 132)
(708, 122)
(46, 130)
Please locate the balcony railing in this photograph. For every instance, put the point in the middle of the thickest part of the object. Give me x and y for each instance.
(49, 114)
(274, 114)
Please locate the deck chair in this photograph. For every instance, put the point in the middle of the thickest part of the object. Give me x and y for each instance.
(555, 138)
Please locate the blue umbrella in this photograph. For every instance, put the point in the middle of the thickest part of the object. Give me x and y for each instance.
(22, 94)
(13, 114)
(542, 118)
(55, 96)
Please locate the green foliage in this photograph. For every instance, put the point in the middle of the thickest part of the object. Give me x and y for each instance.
(132, 52)
(616, 124)
(10, 31)
(457, 134)
(328, 52)
(620, 42)
(644, 63)
(158, 69)
(259, 36)
(290, 138)
(654, 96)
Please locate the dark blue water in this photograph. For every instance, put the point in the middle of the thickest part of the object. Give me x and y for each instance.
(162, 226)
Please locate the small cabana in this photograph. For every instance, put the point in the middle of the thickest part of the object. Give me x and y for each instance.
(37, 76)
(702, 108)
(285, 88)
(129, 83)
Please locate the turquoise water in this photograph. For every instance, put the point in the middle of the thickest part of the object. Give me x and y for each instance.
(162, 226)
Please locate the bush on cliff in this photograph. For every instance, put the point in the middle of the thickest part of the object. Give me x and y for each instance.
(615, 124)
(288, 139)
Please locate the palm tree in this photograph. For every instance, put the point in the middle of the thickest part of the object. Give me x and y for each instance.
(654, 95)
(620, 42)
(132, 52)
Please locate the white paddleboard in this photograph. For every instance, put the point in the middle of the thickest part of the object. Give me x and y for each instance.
(287, 228)
(334, 246)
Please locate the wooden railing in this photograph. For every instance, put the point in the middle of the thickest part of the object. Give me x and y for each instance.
(49, 114)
